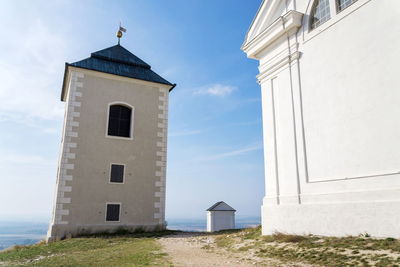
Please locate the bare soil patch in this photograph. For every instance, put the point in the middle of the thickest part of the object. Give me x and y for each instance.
(199, 249)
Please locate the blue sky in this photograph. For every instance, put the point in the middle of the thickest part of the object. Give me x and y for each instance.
(215, 138)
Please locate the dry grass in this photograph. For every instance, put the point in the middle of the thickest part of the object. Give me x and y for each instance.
(122, 250)
(287, 238)
(315, 250)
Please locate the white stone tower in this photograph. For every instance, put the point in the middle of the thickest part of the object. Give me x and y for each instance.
(112, 165)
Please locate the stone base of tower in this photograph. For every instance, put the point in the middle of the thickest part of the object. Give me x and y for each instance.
(378, 219)
(61, 231)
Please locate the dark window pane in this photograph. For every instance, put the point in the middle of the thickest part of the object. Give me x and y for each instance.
(113, 126)
(119, 121)
(117, 173)
(342, 4)
(124, 128)
(125, 113)
(320, 13)
(114, 111)
(112, 212)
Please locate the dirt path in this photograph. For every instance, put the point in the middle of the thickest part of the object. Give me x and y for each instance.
(187, 249)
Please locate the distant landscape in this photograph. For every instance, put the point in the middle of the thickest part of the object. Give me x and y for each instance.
(27, 233)
(21, 233)
(200, 225)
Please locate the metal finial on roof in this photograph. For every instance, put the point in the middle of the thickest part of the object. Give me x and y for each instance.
(119, 32)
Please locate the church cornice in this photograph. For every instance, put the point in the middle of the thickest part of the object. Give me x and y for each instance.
(288, 23)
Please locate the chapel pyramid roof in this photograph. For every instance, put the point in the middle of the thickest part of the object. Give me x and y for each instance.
(220, 206)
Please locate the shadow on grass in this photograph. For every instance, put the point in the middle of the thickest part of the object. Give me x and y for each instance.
(126, 233)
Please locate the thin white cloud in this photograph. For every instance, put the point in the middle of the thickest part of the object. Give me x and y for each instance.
(233, 153)
(211, 129)
(216, 90)
(30, 75)
(40, 125)
(251, 100)
(25, 160)
(244, 123)
(185, 133)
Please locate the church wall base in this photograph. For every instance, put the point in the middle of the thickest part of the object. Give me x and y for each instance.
(378, 219)
(58, 232)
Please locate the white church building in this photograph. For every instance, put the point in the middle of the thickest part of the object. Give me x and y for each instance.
(329, 77)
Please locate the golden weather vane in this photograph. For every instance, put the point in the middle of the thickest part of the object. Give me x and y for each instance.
(119, 32)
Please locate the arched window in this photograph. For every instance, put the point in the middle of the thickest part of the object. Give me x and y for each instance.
(319, 13)
(119, 121)
(342, 4)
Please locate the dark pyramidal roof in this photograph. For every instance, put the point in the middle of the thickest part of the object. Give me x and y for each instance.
(119, 61)
(226, 207)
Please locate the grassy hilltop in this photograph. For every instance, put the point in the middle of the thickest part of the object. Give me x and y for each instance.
(113, 250)
(246, 246)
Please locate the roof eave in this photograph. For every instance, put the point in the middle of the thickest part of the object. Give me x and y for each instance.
(252, 22)
(291, 21)
(62, 98)
(172, 88)
(222, 210)
(63, 90)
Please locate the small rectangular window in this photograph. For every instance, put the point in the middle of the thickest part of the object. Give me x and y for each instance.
(113, 211)
(117, 173)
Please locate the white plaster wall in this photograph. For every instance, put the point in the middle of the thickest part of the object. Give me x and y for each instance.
(220, 220)
(349, 77)
(330, 120)
(209, 222)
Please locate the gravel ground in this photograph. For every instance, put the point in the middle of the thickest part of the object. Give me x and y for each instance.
(188, 249)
